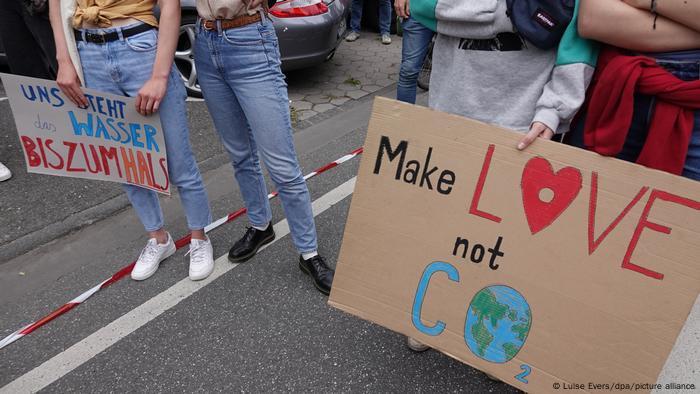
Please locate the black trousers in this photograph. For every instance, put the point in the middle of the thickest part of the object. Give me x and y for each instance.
(28, 41)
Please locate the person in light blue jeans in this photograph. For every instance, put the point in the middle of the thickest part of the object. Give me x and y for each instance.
(245, 92)
(384, 20)
(129, 68)
(123, 54)
(416, 41)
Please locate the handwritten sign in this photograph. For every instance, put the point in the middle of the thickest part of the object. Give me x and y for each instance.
(552, 268)
(107, 141)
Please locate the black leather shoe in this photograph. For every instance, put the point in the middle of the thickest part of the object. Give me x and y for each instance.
(318, 270)
(245, 248)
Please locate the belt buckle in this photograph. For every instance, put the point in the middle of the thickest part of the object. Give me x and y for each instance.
(204, 25)
(96, 38)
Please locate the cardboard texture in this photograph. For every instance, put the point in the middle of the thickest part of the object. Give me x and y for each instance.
(106, 141)
(549, 279)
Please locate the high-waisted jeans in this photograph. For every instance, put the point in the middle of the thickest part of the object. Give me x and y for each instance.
(244, 89)
(123, 67)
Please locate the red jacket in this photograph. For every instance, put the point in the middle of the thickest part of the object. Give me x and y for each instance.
(611, 105)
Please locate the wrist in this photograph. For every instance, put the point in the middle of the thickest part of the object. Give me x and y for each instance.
(160, 77)
(64, 61)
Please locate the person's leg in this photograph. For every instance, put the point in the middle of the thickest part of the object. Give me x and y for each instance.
(356, 15)
(416, 41)
(134, 58)
(101, 72)
(253, 72)
(40, 28)
(24, 54)
(232, 127)
(384, 16)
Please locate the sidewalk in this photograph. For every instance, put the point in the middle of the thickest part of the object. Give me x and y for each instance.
(36, 209)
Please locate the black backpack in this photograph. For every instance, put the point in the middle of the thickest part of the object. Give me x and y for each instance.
(542, 22)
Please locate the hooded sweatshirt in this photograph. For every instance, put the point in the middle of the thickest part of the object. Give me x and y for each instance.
(511, 89)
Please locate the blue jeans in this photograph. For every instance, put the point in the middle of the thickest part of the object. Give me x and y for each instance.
(416, 40)
(244, 89)
(123, 67)
(384, 15)
(686, 66)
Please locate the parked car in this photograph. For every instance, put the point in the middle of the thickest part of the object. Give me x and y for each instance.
(309, 31)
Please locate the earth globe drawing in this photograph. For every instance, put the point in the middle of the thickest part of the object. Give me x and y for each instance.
(498, 322)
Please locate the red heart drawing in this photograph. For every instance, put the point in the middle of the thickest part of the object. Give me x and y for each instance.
(539, 175)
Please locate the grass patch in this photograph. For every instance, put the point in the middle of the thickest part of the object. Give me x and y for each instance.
(353, 81)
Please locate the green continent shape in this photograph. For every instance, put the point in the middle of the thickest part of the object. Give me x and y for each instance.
(521, 329)
(486, 306)
(482, 336)
(510, 349)
(513, 315)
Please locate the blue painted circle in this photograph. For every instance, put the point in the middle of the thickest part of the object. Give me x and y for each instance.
(498, 322)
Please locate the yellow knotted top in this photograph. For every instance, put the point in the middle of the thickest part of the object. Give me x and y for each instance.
(101, 12)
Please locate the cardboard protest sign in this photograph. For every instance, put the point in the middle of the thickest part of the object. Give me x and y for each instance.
(107, 141)
(552, 269)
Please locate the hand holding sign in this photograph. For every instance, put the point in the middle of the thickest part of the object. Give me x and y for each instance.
(150, 95)
(538, 129)
(69, 83)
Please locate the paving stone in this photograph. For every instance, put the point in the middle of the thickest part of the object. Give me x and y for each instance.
(347, 87)
(303, 115)
(301, 105)
(295, 96)
(317, 98)
(318, 89)
(371, 88)
(383, 82)
(356, 94)
(334, 93)
(340, 101)
(323, 107)
(309, 91)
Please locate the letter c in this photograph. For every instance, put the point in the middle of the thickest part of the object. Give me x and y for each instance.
(432, 268)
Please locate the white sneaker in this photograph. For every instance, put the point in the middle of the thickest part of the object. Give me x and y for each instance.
(352, 36)
(416, 345)
(386, 39)
(150, 258)
(201, 259)
(5, 173)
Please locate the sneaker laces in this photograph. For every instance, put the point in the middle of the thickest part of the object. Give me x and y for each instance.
(197, 258)
(150, 251)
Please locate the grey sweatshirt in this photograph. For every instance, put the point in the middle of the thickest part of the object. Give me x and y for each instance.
(510, 88)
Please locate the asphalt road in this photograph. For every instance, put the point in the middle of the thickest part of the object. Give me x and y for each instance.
(258, 327)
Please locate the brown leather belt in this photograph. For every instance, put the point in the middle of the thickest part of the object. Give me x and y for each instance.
(232, 23)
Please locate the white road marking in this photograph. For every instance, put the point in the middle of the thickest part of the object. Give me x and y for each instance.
(3, 99)
(78, 354)
(194, 99)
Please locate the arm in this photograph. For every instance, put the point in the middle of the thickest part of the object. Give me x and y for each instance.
(67, 78)
(617, 23)
(684, 12)
(153, 91)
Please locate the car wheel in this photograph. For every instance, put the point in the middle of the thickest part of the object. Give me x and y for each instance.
(184, 55)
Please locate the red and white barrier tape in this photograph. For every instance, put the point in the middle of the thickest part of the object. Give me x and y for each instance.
(127, 270)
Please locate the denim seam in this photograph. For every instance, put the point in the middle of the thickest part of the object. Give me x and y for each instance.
(261, 179)
(262, 39)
